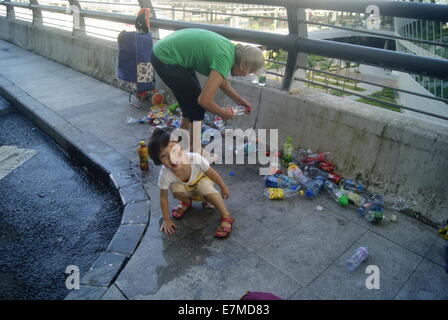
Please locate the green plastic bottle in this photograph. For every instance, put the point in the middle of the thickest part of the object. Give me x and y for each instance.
(172, 107)
(288, 150)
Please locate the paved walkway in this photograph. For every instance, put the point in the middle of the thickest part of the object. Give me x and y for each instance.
(286, 247)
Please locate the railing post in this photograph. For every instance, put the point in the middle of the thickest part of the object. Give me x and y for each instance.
(10, 14)
(295, 59)
(79, 25)
(37, 14)
(148, 4)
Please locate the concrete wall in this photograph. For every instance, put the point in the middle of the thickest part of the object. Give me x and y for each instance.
(402, 157)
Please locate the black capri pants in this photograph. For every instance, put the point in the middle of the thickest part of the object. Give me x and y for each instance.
(185, 86)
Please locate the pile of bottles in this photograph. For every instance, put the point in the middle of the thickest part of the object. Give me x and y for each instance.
(309, 174)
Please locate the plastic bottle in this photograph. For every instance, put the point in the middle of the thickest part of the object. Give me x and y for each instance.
(240, 110)
(262, 78)
(288, 150)
(357, 258)
(337, 194)
(173, 107)
(369, 205)
(355, 198)
(143, 155)
(313, 187)
(320, 156)
(349, 184)
(280, 193)
(314, 172)
(375, 217)
(280, 181)
(294, 171)
(135, 120)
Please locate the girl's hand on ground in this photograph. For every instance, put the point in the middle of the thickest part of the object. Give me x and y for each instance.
(225, 192)
(168, 227)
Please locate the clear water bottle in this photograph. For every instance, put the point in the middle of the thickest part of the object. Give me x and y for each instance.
(349, 184)
(280, 181)
(336, 193)
(280, 193)
(313, 187)
(294, 171)
(240, 110)
(355, 260)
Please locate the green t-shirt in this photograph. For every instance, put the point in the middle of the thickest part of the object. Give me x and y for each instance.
(197, 49)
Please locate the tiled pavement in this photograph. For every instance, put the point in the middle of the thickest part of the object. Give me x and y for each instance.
(285, 247)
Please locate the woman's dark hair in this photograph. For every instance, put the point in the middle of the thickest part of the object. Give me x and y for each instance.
(159, 141)
(140, 24)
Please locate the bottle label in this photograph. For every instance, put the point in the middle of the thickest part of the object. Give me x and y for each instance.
(276, 193)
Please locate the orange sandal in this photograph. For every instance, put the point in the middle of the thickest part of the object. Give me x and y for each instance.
(179, 210)
(223, 232)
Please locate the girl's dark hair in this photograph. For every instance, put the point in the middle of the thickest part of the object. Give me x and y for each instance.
(159, 141)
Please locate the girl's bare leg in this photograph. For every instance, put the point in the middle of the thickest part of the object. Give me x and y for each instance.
(216, 200)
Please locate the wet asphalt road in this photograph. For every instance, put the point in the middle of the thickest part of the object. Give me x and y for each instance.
(51, 215)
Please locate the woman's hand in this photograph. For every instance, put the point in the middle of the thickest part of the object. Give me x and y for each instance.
(168, 226)
(225, 192)
(243, 102)
(226, 113)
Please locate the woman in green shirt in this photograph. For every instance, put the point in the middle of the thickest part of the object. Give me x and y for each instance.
(178, 57)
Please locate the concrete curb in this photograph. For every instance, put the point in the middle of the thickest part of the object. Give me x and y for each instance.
(106, 164)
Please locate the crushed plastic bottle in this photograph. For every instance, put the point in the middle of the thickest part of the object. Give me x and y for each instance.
(280, 193)
(350, 184)
(320, 156)
(336, 194)
(357, 258)
(314, 172)
(240, 110)
(313, 187)
(140, 120)
(280, 181)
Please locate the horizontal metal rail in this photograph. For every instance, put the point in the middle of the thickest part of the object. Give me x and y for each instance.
(375, 84)
(112, 3)
(372, 98)
(222, 14)
(426, 66)
(417, 10)
(383, 35)
(276, 62)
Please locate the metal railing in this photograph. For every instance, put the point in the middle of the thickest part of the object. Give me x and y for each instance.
(296, 42)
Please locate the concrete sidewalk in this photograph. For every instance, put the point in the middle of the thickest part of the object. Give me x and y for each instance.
(286, 247)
